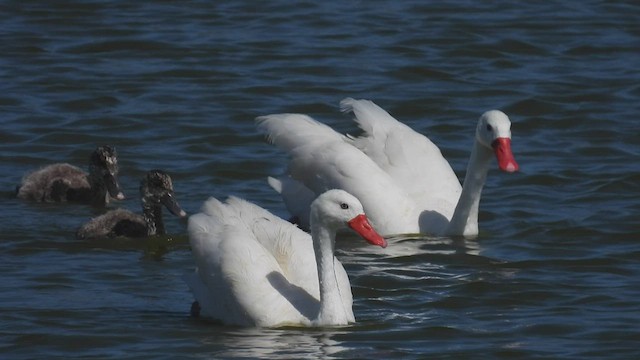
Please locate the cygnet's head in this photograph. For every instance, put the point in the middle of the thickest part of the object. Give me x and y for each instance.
(103, 166)
(157, 188)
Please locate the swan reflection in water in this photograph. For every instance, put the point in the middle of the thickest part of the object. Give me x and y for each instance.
(257, 343)
(402, 245)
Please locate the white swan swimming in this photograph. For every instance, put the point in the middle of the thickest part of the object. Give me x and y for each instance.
(255, 269)
(399, 175)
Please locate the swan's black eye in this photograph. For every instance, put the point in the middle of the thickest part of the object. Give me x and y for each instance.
(489, 128)
(344, 206)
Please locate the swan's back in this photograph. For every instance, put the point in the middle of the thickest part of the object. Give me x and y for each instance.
(118, 222)
(65, 182)
(275, 235)
(55, 183)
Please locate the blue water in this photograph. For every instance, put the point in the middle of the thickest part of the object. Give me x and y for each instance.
(176, 85)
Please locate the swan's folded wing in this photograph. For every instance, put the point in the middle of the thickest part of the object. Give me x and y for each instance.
(291, 247)
(205, 234)
(259, 286)
(338, 165)
(206, 231)
(412, 160)
(238, 280)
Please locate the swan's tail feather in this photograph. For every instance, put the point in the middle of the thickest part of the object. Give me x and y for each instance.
(213, 207)
(297, 198)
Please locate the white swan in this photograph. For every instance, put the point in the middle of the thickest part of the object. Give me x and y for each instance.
(255, 269)
(401, 177)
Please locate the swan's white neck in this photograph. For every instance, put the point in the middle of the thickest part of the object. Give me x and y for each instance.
(465, 217)
(332, 311)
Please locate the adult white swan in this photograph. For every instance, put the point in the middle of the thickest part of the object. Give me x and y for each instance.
(255, 269)
(401, 177)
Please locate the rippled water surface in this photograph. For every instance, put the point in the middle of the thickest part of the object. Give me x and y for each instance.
(176, 85)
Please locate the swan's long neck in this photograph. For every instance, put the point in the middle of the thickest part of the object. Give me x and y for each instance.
(465, 217)
(98, 188)
(332, 311)
(152, 214)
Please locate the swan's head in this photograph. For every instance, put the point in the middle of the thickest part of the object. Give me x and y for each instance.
(157, 188)
(103, 166)
(494, 132)
(338, 209)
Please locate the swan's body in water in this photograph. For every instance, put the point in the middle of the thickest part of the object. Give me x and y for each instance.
(156, 190)
(255, 269)
(401, 177)
(67, 183)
